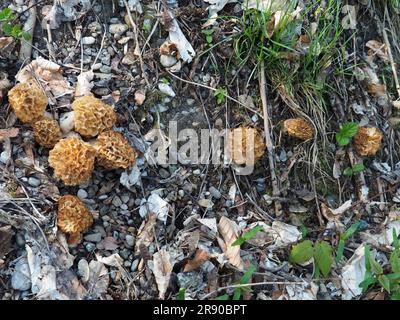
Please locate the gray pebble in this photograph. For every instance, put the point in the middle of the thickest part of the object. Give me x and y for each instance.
(117, 201)
(34, 182)
(20, 239)
(125, 198)
(124, 253)
(164, 173)
(134, 265)
(20, 279)
(215, 193)
(115, 235)
(88, 40)
(105, 69)
(93, 237)
(124, 206)
(82, 194)
(90, 247)
(130, 240)
(118, 28)
(4, 157)
(196, 172)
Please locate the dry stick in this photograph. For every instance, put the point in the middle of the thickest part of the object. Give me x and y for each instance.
(268, 139)
(392, 63)
(25, 51)
(137, 49)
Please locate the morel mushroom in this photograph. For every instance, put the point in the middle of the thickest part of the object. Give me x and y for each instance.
(299, 128)
(114, 151)
(246, 145)
(72, 160)
(47, 132)
(28, 102)
(367, 141)
(92, 116)
(73, 218)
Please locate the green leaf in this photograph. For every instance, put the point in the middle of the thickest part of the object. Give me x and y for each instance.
(323, 257)
(348, 172)
(350, 231)
(393, 276)
(7, 28)
(223, 297)
(247, 236)
(209, 39)
(367, 254)
(375, 266)
(395, 261)
(340, 250)
(384, 281)
(395, 240)
(367, 282)
(181, 294)
(304, 231)
(220, 94)
(348, 130)
(6, 14)
(302, 252)
(26, 36)
(247, 275)
(358, 167)
(395, 295)
(236, 294)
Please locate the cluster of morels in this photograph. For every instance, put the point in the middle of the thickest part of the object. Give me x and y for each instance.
(72, 158)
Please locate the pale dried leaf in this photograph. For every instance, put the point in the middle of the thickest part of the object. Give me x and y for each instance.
(335, 214)
(229, 231)
(162, 271)
(145, 234)
(8, 133)
(378, 48)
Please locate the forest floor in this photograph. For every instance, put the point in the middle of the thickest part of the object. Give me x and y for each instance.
(316, 218)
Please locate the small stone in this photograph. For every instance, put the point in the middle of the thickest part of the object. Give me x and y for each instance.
(181, 193)
(164, 173)
(118, 28)
(88, 40)
(215, 193)
(116, 235)
(197, 172)
(134, 265)
(117, 201)
(167, 61)
(82, 194)
(124, 206)
(105, 69)
(97, 66)
(124, 253)
(21, 279)
(93, 237)
(165, 88)
(125, 198)
(83, 270)
(4, 157)
(20, 239)
(90, 247)
(34, 182)
(130, 240)
(140, 96)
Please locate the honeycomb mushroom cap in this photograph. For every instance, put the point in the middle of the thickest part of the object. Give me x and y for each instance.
(47, 132)
(114, 151)
(28, 102)
(92, 116)
(299, 128)
(72, 160)
(367, 141)
(73, 217)
(245, 142)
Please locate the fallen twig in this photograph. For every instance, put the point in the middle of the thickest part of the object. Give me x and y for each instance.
(268, 139)
(25, 51)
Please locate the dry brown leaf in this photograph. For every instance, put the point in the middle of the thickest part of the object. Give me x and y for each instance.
(7, 44)
(335, 214)
(8, 133)
(48, 73)
(377, 90)
(140, 96)
(162, 271)
(229, 232)
(200, 257)
(378, 48)
(145, 234)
